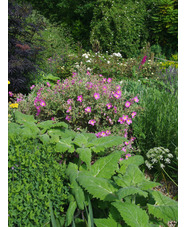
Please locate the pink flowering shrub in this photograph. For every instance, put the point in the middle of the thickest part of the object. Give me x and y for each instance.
(87, 102)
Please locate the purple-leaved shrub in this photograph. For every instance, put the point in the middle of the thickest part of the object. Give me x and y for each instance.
(87, 102)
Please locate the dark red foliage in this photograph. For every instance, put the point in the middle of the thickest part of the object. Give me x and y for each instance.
(22, 53)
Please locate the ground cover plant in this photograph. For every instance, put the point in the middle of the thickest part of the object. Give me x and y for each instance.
(93, 186)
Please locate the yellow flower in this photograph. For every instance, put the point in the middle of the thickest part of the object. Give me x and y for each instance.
(8, 82)
(14, 105)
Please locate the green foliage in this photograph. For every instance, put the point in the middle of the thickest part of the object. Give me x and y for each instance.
(113, 26)
(34, 177)
(164, 25)
(129, 193)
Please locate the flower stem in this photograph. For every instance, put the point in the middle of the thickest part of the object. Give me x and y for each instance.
(169, 177)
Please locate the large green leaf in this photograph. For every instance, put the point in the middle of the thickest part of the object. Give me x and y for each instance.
(22, 118)
(64, 145)
(45, 125)
(80, 140)
(132, 214)
(78, 194)
(85, 155)
(98, 187)
(165, 208)
(136, 160)
(123, 192)
(72, 172)
(106, 166)
(133, 176)
(106, 142)
(145, 185)
(103, 222)
(70, 212)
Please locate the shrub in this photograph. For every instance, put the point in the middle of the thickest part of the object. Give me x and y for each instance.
(119, 27)
(35, 176)
(87, 102)
(22, 51)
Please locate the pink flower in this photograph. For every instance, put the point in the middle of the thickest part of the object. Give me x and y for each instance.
(100, 75)
(127, 156)
(89, 85)
(108, 132)
(109, 105)
(48, 84)
(42, 103)
(116, 95)
(121, 159)
(104, 79)
(104, 88)
(69, 109)
(92, 122)
(118, 87)
(127, 143)
(88, 109)
(32, 87)
(133, 114)
(121, 120)
(136, 99)
(127, 104)
(96, 96)
(110, 121)
(118, 92)
(10, 93)
(98, 134)
(68, 118)
(53, 118)
(103, 134)
(109, 80)
(132, 138)
(125, 117)
(74, 74)
(69, 101)
(129, 121)
(143, 60)
(80, 98)
(88, 73)
(124, 149)
(58, 81)
(115, 109)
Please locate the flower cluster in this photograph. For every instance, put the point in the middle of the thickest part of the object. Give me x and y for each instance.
(14, 105)
(158, 157)
(85, 101)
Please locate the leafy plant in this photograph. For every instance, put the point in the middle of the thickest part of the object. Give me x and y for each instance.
(123, 198)
(22, 51)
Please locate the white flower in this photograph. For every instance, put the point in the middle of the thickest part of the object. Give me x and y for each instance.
(162, 166)
(167, 160)
(108, 62)
(170, 155)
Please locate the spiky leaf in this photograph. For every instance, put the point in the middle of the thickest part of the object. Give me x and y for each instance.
(133, 176)
(145, 185)
(136, 160)
(106, 142)
(165, 208)
(132, 214)
(123, 192)
(70, 212)
(98, 187)
(85, 155)
(105, 167)
(78, 194)
(103, 222)
(22, 118)
(64, 145)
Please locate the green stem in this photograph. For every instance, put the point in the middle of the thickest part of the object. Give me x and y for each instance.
(169, 177)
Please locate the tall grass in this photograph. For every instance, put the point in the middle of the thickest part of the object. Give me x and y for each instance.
(157, 123)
